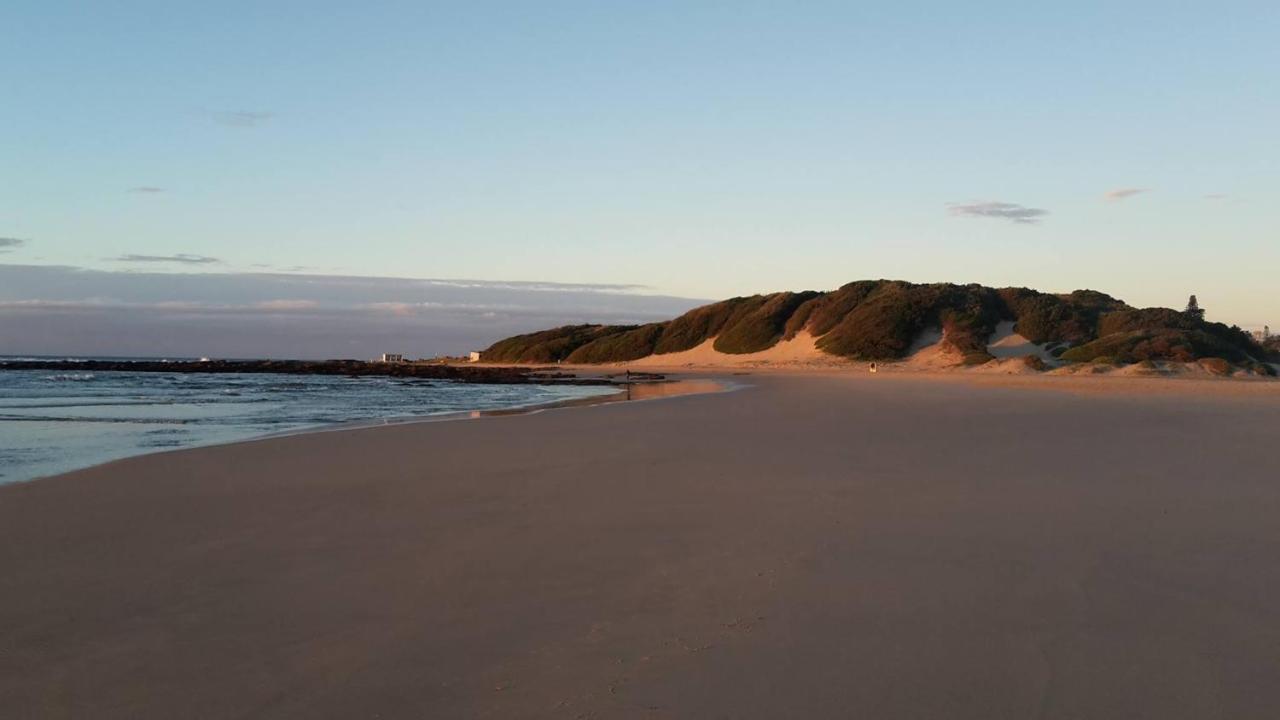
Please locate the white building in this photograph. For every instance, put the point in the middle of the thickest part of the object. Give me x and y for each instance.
(474, 356)
(392, 358)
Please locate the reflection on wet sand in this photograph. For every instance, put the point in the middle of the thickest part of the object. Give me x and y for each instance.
(643, 390)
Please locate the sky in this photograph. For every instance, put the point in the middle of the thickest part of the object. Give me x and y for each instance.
(691, 150)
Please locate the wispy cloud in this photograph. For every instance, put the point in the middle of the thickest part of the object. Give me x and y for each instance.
(146, 190)
(1122, 194)
(8, 243)
(286, 305)
(183, 258)
(241, 118)
(1012, 212)
(283, 268)
(1216, 196)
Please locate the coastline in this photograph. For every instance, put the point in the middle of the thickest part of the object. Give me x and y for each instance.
(814, 545)
(632, 391)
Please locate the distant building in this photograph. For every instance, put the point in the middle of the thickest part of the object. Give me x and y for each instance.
(1262, 335)
(392, 358)
(474, 356)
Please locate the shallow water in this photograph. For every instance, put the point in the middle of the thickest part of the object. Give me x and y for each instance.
(52, 422)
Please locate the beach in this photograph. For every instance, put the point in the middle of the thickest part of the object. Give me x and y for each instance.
(806, 544)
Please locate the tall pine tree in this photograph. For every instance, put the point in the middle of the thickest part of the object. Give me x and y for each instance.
(1194, 311)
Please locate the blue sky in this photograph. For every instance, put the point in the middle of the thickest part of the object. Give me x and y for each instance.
(698, 149)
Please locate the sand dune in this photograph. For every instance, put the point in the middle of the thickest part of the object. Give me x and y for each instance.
(929, 353)
(800, 351)
(1005, 343)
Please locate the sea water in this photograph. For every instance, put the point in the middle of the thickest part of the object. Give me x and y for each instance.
(52, 422)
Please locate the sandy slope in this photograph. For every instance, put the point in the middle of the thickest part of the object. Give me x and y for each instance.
(796, 352)
(813, 546)
(930, 352)
(1005, 343)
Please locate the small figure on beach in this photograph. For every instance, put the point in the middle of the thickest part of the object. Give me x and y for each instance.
(873, 368)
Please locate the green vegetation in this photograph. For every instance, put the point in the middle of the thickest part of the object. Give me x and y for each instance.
(1178, 344)
(880, 319)
(1271, 346)
(1046, 318)
(758, 325)
(700, 324)
(885, 321)
(619, 346)
(547, 346)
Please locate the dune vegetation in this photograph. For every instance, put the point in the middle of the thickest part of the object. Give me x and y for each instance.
(880, 319)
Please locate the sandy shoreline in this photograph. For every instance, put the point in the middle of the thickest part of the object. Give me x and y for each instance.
(815, 545)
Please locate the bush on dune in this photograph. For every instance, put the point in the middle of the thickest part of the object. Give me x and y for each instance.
(548, 345)
(824, 312)
(1160, 344)
(760, 327)
(886, 322)
(881, 327)
(1044, 318)
(1271, 348)
(698, 325)
(619, 347)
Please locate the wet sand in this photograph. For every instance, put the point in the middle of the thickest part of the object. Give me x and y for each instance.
(810, 546)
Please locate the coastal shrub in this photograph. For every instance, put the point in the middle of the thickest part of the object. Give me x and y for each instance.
(698, 325)
(548, 345)
(825, 312)
(1271, 348)
(800, 318)
(1170, 327)
(1035, 363)
(1162, 344)
(1042, 317)
(1260, 368)
(619, 347)
(1132, 319)
(762, 326)
(883, 325)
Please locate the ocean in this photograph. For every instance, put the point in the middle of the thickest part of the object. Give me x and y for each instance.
(53, 422)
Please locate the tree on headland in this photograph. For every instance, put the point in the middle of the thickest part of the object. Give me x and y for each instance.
(1194, 311)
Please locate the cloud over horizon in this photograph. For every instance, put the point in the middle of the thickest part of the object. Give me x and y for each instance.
(146, 190)
(1122, 193)
(61, 310)
(182, 258)
(1012, 212)
(7, 244)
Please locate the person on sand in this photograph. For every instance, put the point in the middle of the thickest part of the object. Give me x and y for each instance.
(873, 368)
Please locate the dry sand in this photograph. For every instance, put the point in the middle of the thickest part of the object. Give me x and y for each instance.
(799, 351)
(812, 546)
